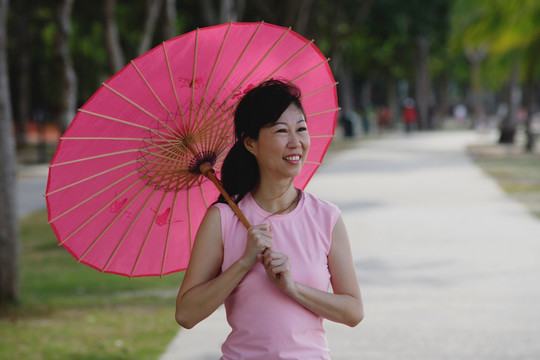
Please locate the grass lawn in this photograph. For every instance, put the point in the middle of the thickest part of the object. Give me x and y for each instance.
(516, 172)
(70, 311)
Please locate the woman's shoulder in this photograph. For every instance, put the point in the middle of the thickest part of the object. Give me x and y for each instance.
(315, 202)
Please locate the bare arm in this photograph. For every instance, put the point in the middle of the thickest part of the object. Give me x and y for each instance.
(204, 288)
(344, 305)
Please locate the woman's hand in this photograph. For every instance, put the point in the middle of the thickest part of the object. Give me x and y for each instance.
(278, 269)
(259, 238)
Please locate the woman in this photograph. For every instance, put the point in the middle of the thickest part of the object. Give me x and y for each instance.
(273, 277)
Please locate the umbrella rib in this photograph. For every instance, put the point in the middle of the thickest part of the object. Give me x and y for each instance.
(153, 92)
(318, 90)
(309, 70)
(313, 163)
(128, 230)
(322, 112)
(92, 196)
(233, 68)
(99, 212)
(160, 155)
(108, 138)
(210, 77)
(258, 64)
(193, 76)
(111, 223)
(94, 157)
(147, 234)
(202, 194)
(289, 59)
(255, 68)
(174, 87)
(191, 240)
(172, 131)
(91, 177)
(221, 133)
(322, 136)
(157, 132)
(169, 231)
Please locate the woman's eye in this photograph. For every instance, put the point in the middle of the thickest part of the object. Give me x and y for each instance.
(281, 130)
(302, 129)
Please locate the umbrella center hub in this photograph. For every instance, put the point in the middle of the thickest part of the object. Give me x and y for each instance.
(201, 158)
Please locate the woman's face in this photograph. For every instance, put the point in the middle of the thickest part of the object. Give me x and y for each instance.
(282, 147)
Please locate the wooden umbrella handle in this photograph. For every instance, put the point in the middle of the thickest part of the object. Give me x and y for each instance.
(208, 171)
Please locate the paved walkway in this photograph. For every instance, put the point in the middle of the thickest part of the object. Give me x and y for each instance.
(31, 185)
(448, 265)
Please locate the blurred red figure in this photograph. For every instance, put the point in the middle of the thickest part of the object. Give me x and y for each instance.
(384, 118)
(410, 115)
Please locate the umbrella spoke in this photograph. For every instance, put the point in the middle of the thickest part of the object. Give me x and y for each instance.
(322, 136)
(100, 138)
(174, 87)
(100, 211)
(216, 97)
(322, 112)
(148, 234)
(313, 163)
(171, 130)
(289, 59)
(95, 157)
(157, 132)
(202, 194)
(309, 70)
(91, 177)
(111, 223)
(92, 196)
(257, 65)
(210, 77)
(169, 230)
(318, 90)
(128, 230)
(154, 93)
(190, 121)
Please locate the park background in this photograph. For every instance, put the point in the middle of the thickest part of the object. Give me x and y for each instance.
(465, 64)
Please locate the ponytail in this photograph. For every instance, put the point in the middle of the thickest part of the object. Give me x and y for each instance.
(239, 173)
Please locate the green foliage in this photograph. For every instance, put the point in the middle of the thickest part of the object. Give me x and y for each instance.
(508, 30)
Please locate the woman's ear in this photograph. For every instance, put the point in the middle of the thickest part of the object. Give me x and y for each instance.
(249, 143)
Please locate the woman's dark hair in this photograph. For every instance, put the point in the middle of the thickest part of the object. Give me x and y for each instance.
(261, 106)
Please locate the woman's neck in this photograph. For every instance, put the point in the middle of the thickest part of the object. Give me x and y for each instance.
(276, 198)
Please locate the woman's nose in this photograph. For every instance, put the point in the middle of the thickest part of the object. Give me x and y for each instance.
(294, 140)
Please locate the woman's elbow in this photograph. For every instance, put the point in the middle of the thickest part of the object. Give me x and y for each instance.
(355, 318)
(184, 320)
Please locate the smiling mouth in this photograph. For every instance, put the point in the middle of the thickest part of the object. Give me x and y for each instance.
(293, 158)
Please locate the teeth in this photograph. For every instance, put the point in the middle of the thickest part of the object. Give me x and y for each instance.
(293, 158)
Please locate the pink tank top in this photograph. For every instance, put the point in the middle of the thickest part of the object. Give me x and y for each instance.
(267, 324)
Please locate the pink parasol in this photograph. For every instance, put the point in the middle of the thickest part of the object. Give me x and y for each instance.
(126, 190)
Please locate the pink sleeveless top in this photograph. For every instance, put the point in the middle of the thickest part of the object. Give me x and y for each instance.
(267, 324)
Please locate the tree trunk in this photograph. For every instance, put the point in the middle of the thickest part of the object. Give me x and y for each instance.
(508, 124)
(302, 19)
(208, 12)
(529, 95)
(9, 237)
(69, 77)
(116, 56)
(393, 100)
(24, 57)
(169, 25)
(153, 7)
(475, 58)
(422, 87)
(442, 109)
